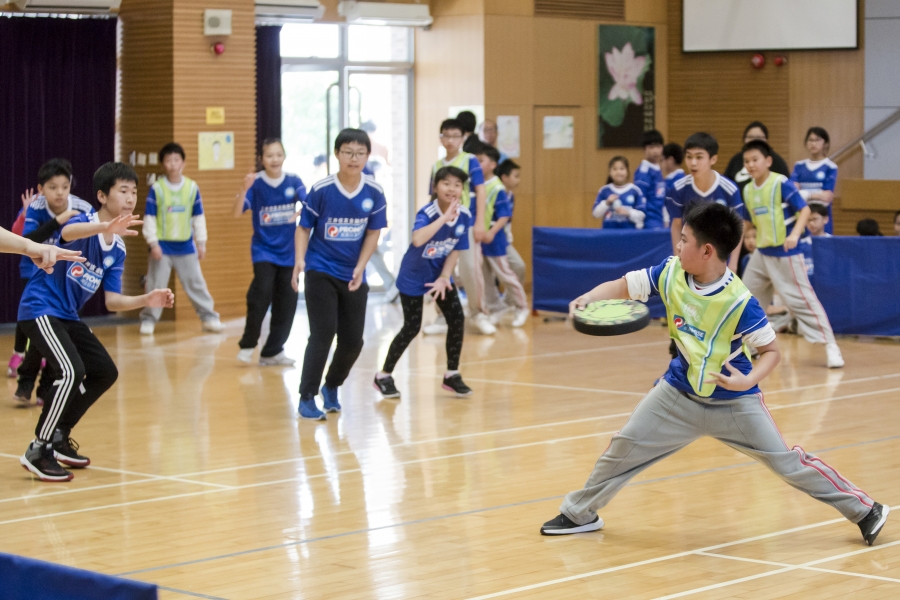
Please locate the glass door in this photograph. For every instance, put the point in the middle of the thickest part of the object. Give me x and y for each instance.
(336, 76)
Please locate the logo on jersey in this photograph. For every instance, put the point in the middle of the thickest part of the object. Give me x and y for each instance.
(820, 175)
(440, 249)
(692, 311)
(761, 210)
(682, 325)
(460, 229)
(345, 230)
(280, 214)
(87, 279)
(290, 193)
(367, 204)
(722, 202)
(108, 261)
(175, 209)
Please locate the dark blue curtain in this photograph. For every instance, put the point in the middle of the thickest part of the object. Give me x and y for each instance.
(268, 82)
(57, 99)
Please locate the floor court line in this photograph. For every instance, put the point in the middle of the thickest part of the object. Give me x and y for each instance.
(187, 593)
(781, 564)
(82, 489)
(764, 536)
(716, 586)
(474, 511)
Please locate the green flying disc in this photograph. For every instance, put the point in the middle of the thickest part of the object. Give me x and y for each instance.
(611, 317)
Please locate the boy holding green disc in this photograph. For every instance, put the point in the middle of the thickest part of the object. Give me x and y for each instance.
(711, 388)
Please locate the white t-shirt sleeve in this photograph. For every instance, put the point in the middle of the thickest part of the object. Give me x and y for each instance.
(763, 336)
(638, 285)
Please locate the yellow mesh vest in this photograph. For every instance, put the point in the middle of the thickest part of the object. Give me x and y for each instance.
(493, 189)
(764, 205)
(174, 210)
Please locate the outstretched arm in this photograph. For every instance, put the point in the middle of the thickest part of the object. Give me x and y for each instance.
(156, 299)
(43, 255)
(120, 226)
(611, 290)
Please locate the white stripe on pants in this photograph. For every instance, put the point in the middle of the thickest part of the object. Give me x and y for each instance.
(63, 386)
(471, 276)
(501, 268)
(786, 275)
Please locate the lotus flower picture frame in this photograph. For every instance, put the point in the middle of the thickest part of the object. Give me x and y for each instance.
(627, 93)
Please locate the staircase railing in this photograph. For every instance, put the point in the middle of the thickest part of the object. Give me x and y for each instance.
(861, 140)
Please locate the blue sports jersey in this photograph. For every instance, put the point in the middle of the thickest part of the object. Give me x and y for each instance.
(502, 208)
(649, 179)
(684, 193)
(814, 176)
(274, 204)
(630, 196)
(791, 203)
(752, 319)
(63, 293)
(37, 214)
(672, 177)
(424, 264)
(339, 220)
(168, 247)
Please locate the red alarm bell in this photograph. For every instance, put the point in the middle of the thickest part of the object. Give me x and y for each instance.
(780, 60)
(218, 48)
(758, 61)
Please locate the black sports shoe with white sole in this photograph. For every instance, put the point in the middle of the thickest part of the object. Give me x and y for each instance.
(872, 523)
(38, 460)
(385, 385)
(455, 383)
(563, 525)
(65, 450)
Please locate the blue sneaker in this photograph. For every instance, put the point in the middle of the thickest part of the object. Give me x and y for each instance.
(330, 398)
(309, 410)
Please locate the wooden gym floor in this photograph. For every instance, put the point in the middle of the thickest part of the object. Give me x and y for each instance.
(206, 483)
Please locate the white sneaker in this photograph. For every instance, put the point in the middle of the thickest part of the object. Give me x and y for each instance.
(521, 317)
(279, 360)
(245, 355)
(484, 325)
(213, 326)
(147, 327)
(439, 327)
(835, 359)
(497, 315)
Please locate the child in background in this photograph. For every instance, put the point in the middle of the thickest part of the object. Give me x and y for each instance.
(173, 221)
(338, 233)
(620, 204)
(868, 228)
(49, 315)
(496, 215)
(272, 195)
(45, 216)
(816, 176)
(748, 247)
(897, 223)
(818, 221)
(510, 176)
(772, 204)
(439, 233)
(649, 178)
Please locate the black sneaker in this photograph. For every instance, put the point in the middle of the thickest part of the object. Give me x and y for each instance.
(386, 386)
(38, 460)
(454, 383)
(563, 525)
(65, 450)
(871, 525)
(23, 392)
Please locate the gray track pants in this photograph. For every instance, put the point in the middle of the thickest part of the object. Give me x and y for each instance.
(667, 420)
(187, 266)
(786, 275)
(491, 293)
(471, 276)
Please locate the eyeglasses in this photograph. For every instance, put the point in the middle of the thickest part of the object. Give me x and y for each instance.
(351, 155)
(448, 136)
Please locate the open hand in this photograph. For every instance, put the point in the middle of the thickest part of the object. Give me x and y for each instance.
(249, 178)
(161, 299)
(28, 197)
(737, 382)
(201, 251)
(120, 225)
(440, 287)
(45, 256)
(452, 211)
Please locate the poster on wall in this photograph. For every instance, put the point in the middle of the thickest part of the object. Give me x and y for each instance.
(627, 100)
(215, 150)
(559, 132)
(508, 135)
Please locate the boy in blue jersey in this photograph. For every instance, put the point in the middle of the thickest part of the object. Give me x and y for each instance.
(772, 204)
(815, 228)
(46, 214)
(343, 215)
(49, 315)
(439, 234)
(175, 230)
(619, 203)
(816, 176)
(649, 178)
(711, 388)
(673, 157)
(273, 196)
(702, 184)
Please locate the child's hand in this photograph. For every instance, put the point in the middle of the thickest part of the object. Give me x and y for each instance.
(738, 382)
(45, 255)
(612, 199)
(488, 237)
(440, 287)
(299, 267)
(120, 225)
(790, 242)
(452, 212)
(249, 178)
(478, 231)
(578, 303)
(161, 299)
(356, 282)
(27, 198)
(201, 251)
(64, 216)
(156, 252)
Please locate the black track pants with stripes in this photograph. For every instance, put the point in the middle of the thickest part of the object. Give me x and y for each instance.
(83, 367)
